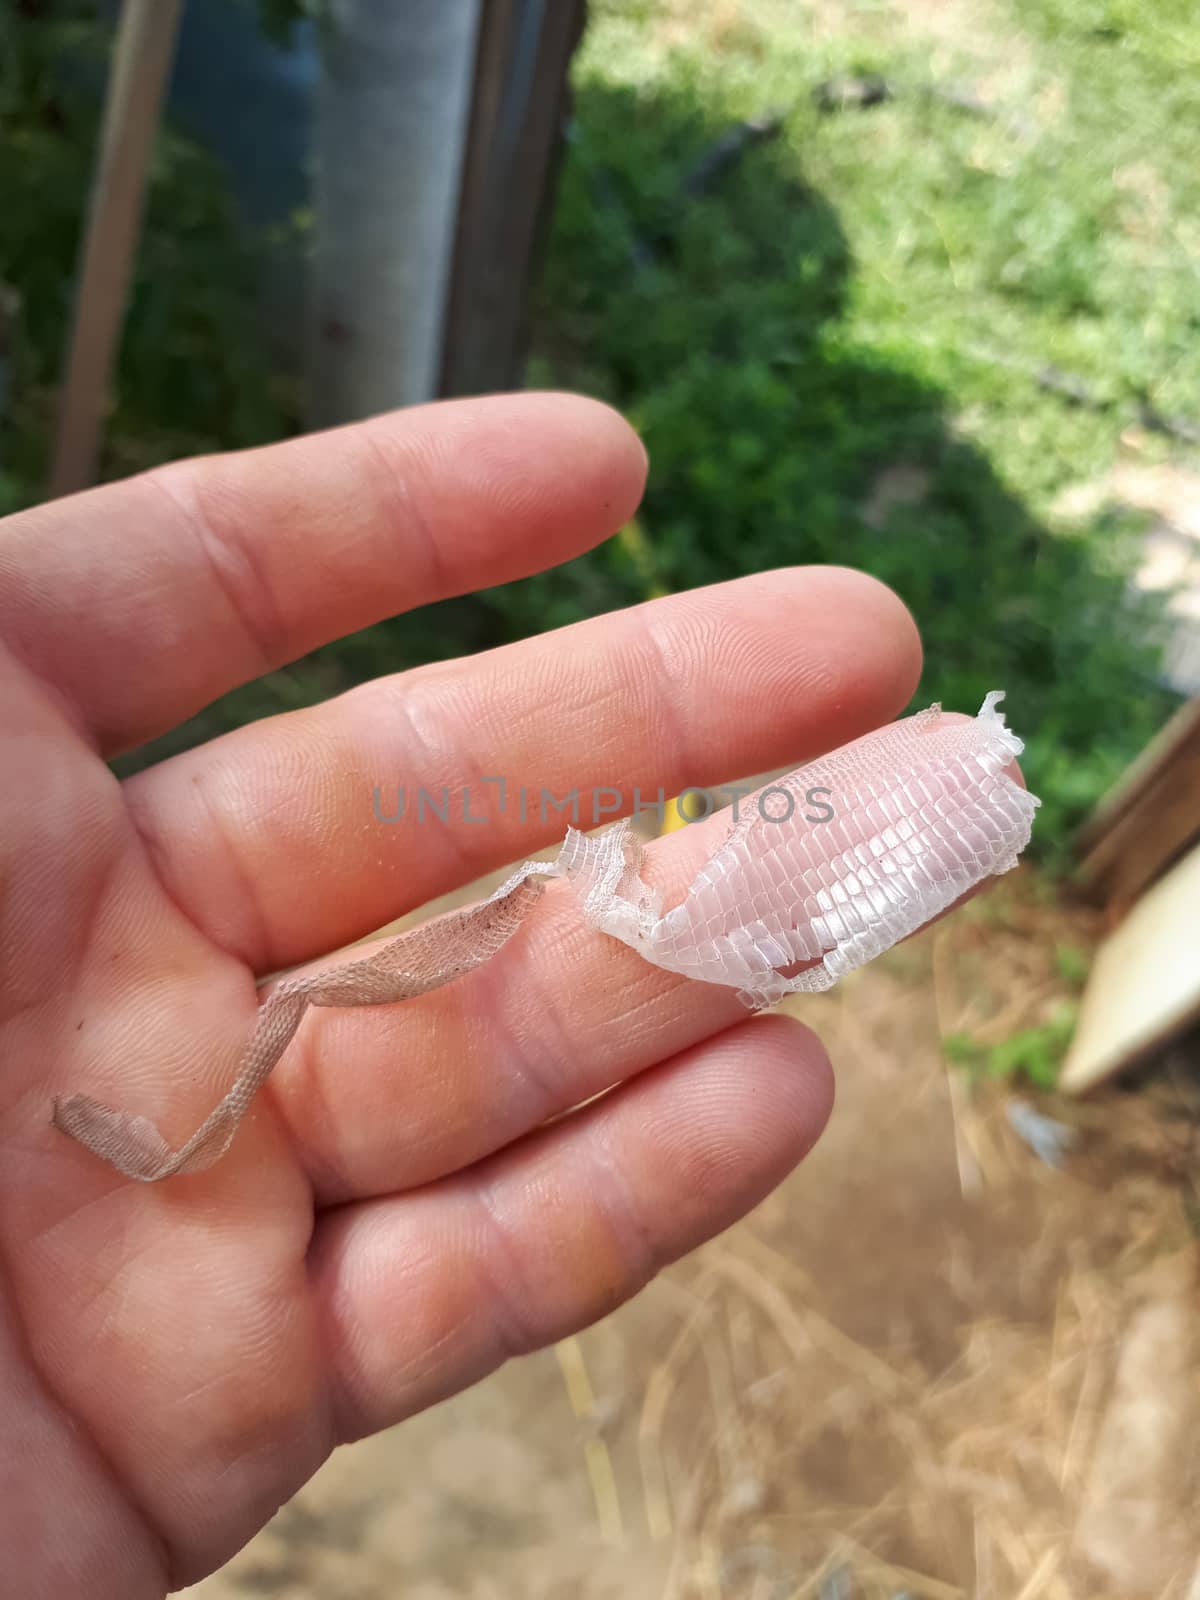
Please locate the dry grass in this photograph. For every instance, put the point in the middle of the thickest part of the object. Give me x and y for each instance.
(781, 1455)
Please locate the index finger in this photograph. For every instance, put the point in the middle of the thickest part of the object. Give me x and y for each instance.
(143, 601)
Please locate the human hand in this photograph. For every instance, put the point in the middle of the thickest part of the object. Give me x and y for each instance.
(393, 1219)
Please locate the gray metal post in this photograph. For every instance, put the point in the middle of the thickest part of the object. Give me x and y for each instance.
(392, 117)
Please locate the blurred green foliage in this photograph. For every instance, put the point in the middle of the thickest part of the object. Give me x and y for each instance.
(1033, 1055)
(194, 373)
(831, 347)
(1072, 964)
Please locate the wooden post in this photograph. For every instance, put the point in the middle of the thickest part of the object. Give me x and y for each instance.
(1141, 861)
(142, 55)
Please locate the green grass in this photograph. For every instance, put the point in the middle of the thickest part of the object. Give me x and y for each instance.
(878, 289)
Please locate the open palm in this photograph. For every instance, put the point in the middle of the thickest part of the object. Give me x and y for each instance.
(395, 1217)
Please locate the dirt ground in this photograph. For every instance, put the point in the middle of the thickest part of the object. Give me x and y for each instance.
(930, 1365)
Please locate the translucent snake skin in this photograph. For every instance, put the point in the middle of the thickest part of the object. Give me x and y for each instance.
(824, 871)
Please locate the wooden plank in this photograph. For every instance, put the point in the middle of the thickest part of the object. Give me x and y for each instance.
(1148, 820)
(1145, 984)
(142, 56)
(1181, 733)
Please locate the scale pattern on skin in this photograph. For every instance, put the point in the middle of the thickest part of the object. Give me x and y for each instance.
(922, 811)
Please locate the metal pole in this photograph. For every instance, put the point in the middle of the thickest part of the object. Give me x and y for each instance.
(391, 126)
(513, 149)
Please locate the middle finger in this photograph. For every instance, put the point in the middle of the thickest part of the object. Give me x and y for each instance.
(269, 839)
